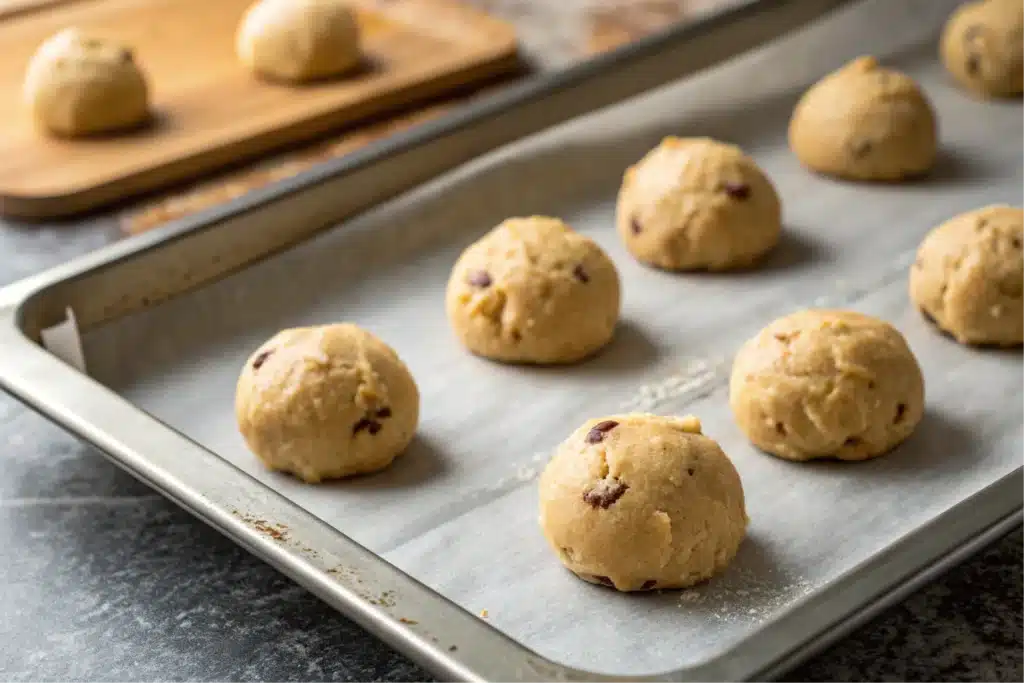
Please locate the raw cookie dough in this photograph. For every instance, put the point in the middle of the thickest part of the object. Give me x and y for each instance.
(826, 384)
(642, 502)
(865, 122)
(295, 41)
(533, 291)
(326, 402)
(698, 204)
(969, 276)
(982, 47)
(78, 85)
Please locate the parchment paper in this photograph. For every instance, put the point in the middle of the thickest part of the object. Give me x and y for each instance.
(459, 511)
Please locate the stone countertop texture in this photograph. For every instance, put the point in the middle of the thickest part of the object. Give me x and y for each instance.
(102, 579)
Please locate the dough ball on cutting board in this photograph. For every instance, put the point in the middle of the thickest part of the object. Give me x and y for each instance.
(642, 502)
(533, 290)
(326, 402)
(865, 122)
(698, 204)
(78, 85)
(295, 41)
(826, 384)
(982, 47)
(969, 276)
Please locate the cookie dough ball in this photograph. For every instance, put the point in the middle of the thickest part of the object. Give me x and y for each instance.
(826, 384)
(641, 502)
(326, 402)
(969, 276)
(865, 122)
(698, 204)
(982, 47)
(78, 85)
(295, 41)
(533, 291)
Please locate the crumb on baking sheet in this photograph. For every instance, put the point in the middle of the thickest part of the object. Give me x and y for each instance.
(484, 613)
(278, 532)
(347, 572)
(408, 621)
(385, 599)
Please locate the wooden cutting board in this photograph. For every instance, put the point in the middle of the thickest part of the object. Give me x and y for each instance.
(210, 111)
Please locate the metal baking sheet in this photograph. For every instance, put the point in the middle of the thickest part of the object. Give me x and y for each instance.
(458, 511)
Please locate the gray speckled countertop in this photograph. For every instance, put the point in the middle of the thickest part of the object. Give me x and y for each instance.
(102, 579)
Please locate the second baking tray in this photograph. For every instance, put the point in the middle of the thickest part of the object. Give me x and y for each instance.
(456, 516)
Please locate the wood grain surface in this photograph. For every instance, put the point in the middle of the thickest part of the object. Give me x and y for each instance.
(554, 33)
(209, 110)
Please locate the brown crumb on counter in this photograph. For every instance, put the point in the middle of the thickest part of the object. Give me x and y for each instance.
(408, 621)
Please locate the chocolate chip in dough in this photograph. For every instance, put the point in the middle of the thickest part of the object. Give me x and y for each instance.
(479, 278)
(603, 580)
(635, 226)
(369, 425)
(384, 412)
(738, 191)
(901, 411)
(604, 493)
(649, 584)
(581, 274)
(597, 432)
(973, 64)
(261, 358)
